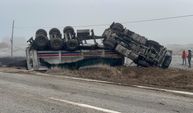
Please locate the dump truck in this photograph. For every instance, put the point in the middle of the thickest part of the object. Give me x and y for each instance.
(139, 49)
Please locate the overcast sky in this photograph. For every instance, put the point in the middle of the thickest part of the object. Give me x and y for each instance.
(29, 15)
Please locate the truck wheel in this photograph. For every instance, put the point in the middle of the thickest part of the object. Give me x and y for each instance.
(117, 27)
(56, 43)
(55, 33)
(41, 42)
(110, 44)
(72, 45)
(68, 29)
(41, 32)
(167, 62)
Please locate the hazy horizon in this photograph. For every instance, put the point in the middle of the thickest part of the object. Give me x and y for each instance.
(31, 15)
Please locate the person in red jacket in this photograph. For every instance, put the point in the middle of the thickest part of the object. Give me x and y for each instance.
(184, 56)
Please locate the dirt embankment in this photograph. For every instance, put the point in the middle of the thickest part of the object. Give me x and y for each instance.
(164, 78)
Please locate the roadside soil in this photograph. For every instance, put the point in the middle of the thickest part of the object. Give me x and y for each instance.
(163, 78)
(156, 77)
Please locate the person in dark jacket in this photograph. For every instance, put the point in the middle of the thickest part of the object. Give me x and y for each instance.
(189, 58)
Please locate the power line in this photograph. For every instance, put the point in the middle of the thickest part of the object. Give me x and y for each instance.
(157, 19)
(127, 22)
(145, 20)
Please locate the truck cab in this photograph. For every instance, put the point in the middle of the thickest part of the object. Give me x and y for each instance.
(139, 49)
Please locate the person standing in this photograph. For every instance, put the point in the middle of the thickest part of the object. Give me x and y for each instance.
(184, 56)
(189, 58)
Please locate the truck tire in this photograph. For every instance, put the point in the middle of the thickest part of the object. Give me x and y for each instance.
(117, 27)
(166, 62)
(41, 42)
(110, 44)
(68, 29)
(55, 33)
(72, 45)
(56, 44)
(41, 32)
(68, 33)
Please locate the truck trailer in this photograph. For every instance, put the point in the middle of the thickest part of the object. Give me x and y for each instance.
(72, 51)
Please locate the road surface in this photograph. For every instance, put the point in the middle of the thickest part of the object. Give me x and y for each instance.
(21, 93)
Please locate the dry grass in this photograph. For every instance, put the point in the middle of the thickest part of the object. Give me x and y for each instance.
(166, 78)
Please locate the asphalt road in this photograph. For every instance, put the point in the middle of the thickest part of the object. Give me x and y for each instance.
(47, 94)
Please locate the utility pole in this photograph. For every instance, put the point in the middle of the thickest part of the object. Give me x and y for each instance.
(12, 32)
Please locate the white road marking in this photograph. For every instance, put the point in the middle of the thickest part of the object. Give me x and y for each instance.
(166, 90)
(88, 80)
(85, 105)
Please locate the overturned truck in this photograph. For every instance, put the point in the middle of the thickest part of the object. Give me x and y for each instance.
(73, 51)
(139, 49)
